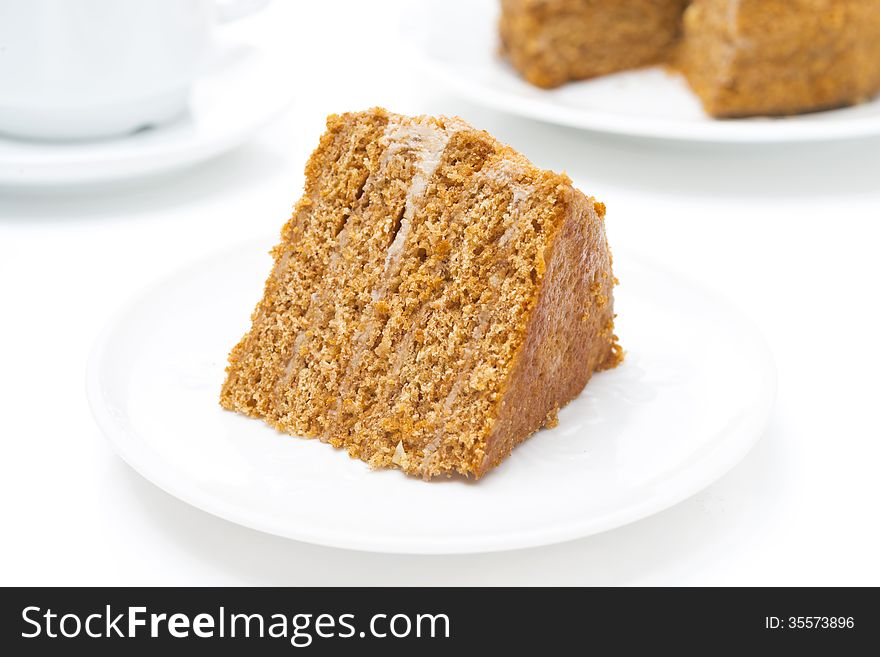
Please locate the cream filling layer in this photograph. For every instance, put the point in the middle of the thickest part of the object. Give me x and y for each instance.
(428, 141)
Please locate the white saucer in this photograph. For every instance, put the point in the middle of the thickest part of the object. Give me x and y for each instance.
(692, 397)
(456, 41)
(241, 91)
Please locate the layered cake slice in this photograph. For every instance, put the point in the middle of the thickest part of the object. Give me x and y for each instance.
(778, 57)
(434, 299)
(551, 42)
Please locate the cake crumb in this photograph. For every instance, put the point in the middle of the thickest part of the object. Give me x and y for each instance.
(551, 420)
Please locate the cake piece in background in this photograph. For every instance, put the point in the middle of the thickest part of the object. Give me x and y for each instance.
(780, 57)
(434, 299)
(551, 42)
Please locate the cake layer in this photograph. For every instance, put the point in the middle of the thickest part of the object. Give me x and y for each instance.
(551, 42)
(367, 420)
(444, 310)
(335, 177)
(342, 309)
(459, 297)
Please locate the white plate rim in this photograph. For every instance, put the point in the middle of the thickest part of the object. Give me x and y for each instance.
(759, 130)
(715, 464)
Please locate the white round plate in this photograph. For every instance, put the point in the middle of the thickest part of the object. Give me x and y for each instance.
(456, 41)
(241, 90)
(690, 400)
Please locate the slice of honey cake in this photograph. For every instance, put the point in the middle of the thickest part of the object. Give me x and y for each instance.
(434, 300)
(781, 57)
(551, 42)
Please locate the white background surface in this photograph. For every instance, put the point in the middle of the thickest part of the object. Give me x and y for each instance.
(790, 234)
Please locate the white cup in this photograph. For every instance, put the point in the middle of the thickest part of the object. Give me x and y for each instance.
(86, 69)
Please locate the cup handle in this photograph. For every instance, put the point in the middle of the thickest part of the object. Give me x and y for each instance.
(232, 10)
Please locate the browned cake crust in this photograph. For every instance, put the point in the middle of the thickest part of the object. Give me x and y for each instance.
(571, 317)
(435, 299)
(779, 57)
(551, 42)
